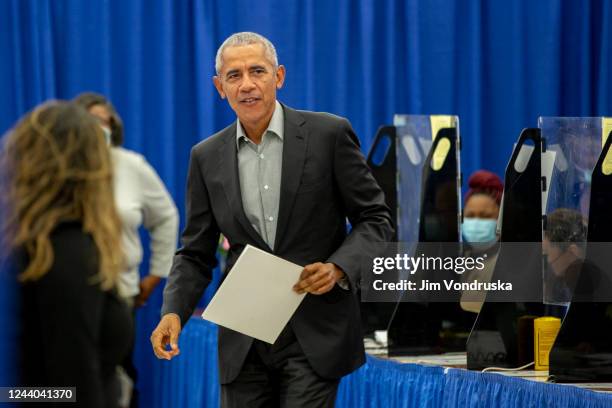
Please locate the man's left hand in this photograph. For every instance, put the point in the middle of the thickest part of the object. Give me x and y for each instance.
(318, 278)
(147, 286)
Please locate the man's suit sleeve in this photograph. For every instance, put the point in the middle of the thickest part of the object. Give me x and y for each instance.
(364, 202)
(193, 263)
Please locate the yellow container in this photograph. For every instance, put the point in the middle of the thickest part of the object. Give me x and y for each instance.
(545, 330)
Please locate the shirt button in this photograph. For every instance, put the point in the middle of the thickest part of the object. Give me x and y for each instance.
(266, 187)
(261, 156)
(270, 219)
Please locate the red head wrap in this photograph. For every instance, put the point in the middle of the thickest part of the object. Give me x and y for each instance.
(485, 182)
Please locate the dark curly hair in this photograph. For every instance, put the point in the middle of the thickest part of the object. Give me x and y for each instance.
(89, 99)
(565, 227)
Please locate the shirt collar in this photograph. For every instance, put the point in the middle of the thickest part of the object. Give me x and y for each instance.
(276, 126)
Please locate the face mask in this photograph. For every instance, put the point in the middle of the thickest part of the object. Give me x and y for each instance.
(107, 135)
(479, 230)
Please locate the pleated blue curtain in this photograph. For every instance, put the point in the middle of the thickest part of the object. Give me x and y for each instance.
(497, 64)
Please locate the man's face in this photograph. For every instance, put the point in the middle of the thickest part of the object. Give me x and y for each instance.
(249, 82)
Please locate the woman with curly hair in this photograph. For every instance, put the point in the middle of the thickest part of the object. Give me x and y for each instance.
(62, 232)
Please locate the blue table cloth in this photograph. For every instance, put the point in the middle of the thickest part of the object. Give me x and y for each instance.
(191, 381)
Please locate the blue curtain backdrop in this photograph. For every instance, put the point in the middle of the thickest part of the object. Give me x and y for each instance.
(497, 64)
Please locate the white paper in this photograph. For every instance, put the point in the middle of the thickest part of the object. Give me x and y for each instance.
(256, 298)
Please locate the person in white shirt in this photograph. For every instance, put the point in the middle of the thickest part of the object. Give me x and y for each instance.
(142, 200)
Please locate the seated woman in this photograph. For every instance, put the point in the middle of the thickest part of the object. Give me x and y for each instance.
(480, 212)
(63, 233)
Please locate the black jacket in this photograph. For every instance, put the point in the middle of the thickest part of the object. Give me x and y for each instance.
(73, 333)
(325, 180)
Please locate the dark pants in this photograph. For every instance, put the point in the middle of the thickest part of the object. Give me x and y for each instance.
(278, 375)
(128, 362)
(112, 391)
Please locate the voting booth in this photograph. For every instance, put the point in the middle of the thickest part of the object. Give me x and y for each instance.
(566, 177)
(494, 339)
(417, 164)
(582, 351)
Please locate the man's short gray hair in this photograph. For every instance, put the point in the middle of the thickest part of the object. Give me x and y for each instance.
(246, 38)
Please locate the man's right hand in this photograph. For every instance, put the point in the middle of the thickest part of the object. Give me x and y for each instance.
(166, 333)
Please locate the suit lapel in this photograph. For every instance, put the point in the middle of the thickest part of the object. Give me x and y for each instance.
(228, 165)
(294, 154)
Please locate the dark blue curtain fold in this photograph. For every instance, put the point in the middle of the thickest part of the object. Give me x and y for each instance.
(497, 64)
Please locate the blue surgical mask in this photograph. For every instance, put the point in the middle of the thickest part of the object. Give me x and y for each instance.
(479, 229)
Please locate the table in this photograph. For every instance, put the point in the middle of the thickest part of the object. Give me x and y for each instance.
(191, 381)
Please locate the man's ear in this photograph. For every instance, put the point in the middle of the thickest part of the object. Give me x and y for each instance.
(280, 76)
(219, 86)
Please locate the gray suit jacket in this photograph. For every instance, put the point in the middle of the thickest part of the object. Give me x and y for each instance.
(325, 179)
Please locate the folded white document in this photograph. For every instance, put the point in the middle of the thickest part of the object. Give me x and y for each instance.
(256, 298)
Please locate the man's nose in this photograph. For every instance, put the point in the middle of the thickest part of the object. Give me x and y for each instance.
(247, 84)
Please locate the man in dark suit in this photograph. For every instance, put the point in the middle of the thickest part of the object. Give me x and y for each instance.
(284, 181)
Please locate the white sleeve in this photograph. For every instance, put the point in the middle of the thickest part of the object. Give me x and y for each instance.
(160, 218)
